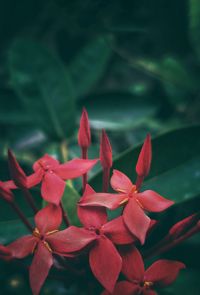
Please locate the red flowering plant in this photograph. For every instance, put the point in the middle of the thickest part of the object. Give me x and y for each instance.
(105, 252)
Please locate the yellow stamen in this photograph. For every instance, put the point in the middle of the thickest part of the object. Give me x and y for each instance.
(52, 232)
(124, 201)
(36, 233)
(139, 204)
(148, 284)
(120, 190)
(47, 246)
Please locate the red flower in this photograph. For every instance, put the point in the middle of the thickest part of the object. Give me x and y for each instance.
(104, 259)
(53, 175)
(160, 274)
(135, 203)
(44, 242)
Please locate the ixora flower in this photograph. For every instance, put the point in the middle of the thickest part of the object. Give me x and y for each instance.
(104, 259)
(43, 243)
(53, 175)
(140, 282)
(135, 203)
(5, 190)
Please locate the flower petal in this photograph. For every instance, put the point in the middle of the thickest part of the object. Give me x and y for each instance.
(52, 188)
(136, 220)
(105, 263)
(120, 182)
(110, 201)
(46, 162)
(5, 253)
(144, 159)
(125, 288)
(149, 292)
(153, 202)
(40, 267)
(74, 168)
(117, 232)
(6, 193)
(91, 216)
(23, 246)
(132, 264)
(71, 239)
(163, 272)
(35, 178)
(48, 219)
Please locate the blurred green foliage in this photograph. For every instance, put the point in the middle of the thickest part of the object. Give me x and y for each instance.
(135, 66)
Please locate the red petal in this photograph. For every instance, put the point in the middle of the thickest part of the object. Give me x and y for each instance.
(9, 184)
(6, 193)
(163, 272)
(23, 246)
(84, 136)
(40, 267)
(5, 253)
(46, 162)
(117, 232)
(71, 239)
(48, 219)
(52, 188)
(126, 288)
(136, 220)
(74, 168)
(153, 202)
(16, 172)
(144, 159)
(132, 264)
(105, 151)
(91, 216)
(35, 178)
(120, 182)
(110, 201)
(149, 292)
(105, 263)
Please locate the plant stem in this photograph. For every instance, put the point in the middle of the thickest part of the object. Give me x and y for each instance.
(106, 177)
(84, 177)
(21, 216)
(159, 249)
(29, 199)
(64, 214)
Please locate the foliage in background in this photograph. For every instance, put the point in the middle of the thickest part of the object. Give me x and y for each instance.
(132, 66)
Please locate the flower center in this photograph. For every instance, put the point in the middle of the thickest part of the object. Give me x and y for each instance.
(37, 234)
(148, 285)
(94, 229)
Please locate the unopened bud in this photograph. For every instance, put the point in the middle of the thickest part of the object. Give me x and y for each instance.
(144, 159)
(105, 151)
(84, 136)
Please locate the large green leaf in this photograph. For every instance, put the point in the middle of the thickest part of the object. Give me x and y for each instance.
(119, 111)
(89, 65)
(195, 25)
(175, 170)
(43, 84)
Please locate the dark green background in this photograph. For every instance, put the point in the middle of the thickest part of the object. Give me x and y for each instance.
(135, 66)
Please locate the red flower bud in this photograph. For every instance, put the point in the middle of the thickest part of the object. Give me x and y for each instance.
(16, 172)
(144, 159)
(182, 226)
(105, 151)
(84, 136)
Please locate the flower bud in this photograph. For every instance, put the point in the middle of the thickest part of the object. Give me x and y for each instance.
(183, 226)
(144, 159)
(105, 151)
(84, 136)
(16, 172)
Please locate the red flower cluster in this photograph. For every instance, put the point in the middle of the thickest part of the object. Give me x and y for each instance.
(104, 241)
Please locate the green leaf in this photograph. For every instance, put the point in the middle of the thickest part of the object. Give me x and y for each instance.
(195, 25)
(175, 170)
(90, 64)
(69, 201)
(119, 111)
(44, 87)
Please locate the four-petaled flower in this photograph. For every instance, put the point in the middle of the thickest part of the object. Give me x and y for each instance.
(104, 259)
(140, 282)
(135, 203)
(43, 242)
(53, 175)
